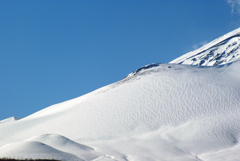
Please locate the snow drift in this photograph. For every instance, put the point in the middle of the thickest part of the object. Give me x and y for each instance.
(158, 112)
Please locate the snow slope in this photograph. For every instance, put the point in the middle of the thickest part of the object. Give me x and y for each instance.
(170, 112)
(182, 111)
(218, 52)
(35, 150)
(11, 119)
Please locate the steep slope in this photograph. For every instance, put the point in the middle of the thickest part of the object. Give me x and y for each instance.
(221, 51)
(158, 112)
(181, 111)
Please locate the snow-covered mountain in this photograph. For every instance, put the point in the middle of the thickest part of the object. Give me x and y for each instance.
(220, 51)
(172, 112)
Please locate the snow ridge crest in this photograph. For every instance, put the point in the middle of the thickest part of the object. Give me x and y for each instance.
(223, 50)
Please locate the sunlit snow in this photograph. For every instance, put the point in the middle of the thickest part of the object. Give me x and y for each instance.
(159, 112)
(218, 52)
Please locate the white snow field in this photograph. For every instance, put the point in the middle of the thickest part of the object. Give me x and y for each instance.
(160, 112)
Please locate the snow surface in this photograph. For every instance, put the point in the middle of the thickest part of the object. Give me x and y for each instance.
(35, 150)
(218, 52)
(165, 112)
(11, 119)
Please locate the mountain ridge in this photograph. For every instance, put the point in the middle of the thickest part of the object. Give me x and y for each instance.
(220, 51)
(175, 111)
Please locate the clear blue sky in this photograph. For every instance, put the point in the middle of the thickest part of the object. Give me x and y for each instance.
(53, 51)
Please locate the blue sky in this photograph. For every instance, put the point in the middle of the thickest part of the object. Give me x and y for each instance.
(53, 51)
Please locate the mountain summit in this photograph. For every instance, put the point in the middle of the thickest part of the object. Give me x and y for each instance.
(169, 112)
(220, 51)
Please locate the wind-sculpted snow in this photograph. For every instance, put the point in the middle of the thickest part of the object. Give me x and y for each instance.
(34, 150)
(158, 112)
(161, 112)
(66, 145)
(51, 146)
(221, 51)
